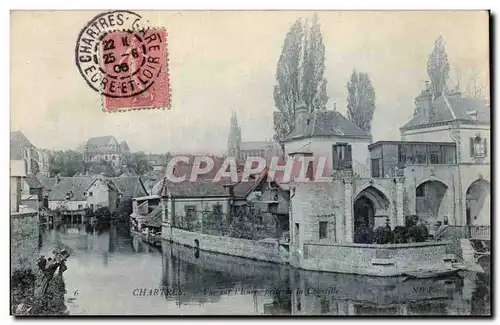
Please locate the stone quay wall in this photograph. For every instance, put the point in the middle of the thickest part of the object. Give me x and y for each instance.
(372, 259)
(256, 250)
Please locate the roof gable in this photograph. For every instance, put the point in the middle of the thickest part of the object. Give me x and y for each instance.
(130, 186)
(102, 141)
(77, 185)
(200, 188)
(329, 123)
(17, 142)
(33, 181)
(446, 109)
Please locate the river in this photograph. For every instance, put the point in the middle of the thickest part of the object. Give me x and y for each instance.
(111, 272)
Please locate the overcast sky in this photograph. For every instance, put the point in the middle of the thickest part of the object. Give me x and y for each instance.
(220, 61)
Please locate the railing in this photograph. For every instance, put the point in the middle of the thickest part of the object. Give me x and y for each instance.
(239, 225)
(470, 232)
(360, 170)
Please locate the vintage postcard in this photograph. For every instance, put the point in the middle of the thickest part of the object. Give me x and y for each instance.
(250, 163)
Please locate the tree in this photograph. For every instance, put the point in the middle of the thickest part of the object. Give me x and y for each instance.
(470, 84)
(438, 67)
(361, 101)
(66, 163)
(140, 163)
(102, 167)
(299, 75)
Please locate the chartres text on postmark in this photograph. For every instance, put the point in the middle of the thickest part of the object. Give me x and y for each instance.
(124, 61)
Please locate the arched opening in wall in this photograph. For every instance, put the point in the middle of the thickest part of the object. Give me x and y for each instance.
(370, 211)
(430, 203)
(478, 203)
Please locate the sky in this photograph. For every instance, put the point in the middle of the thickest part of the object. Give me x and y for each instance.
(221, 61)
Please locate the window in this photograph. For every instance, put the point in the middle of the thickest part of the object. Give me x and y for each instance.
(478, 146)
(472, 114)
(190, 211)
(420, 192)
(274, 195)
(376, 167)
(106, 157)
(91, 194)
(323, 231)
(80, 206)
(113, 157)
(342, 156)
(92, 206)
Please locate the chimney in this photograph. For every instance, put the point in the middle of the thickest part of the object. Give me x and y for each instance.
(423, 103)
(300, 117)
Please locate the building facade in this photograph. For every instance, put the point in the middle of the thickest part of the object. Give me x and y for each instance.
(106, 148)
(83, 192)
(36, 161)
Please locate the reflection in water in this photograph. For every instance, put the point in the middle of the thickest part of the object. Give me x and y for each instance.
(112, 272)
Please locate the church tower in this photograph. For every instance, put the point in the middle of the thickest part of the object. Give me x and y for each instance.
(234, 139)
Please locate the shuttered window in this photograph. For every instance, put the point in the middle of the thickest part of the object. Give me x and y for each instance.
(342, 156)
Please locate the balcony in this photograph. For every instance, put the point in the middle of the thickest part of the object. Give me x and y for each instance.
(389, 156)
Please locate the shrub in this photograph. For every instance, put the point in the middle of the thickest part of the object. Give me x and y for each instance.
(364, 237)
(411, 221)
(418, 233)
(383, 235)
(399, 235)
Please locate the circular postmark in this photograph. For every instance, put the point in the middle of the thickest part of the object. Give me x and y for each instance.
(115, 58)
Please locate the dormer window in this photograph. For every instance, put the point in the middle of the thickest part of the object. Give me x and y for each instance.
(472, 114)
(478, 146)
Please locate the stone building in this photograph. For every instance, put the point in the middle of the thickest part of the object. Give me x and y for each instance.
(439, 171)
(463, 185)
(36, 160)
(82, 192)
(106, 148)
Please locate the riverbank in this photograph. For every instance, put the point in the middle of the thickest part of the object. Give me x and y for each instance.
(324, 256)
(110, 265)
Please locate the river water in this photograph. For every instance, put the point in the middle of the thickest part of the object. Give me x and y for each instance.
(111, 272)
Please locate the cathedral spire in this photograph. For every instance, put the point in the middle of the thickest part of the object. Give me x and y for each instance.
(234, 138)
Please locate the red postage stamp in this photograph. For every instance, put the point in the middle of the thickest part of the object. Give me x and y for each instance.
(127, 65)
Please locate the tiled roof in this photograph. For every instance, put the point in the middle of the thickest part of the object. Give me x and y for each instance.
(242, 188)
(130, 186)
(48, 182)
(328, 123)
(450, 108)
(182, 169)
(33, 181)
(100, 141)
(259, 145)
(200, 188)
(77, 185)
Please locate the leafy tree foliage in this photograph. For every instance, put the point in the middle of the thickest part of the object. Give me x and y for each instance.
(438, 67)
(66, 163)
(360, 100)
(139, 162)
(299, 75)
